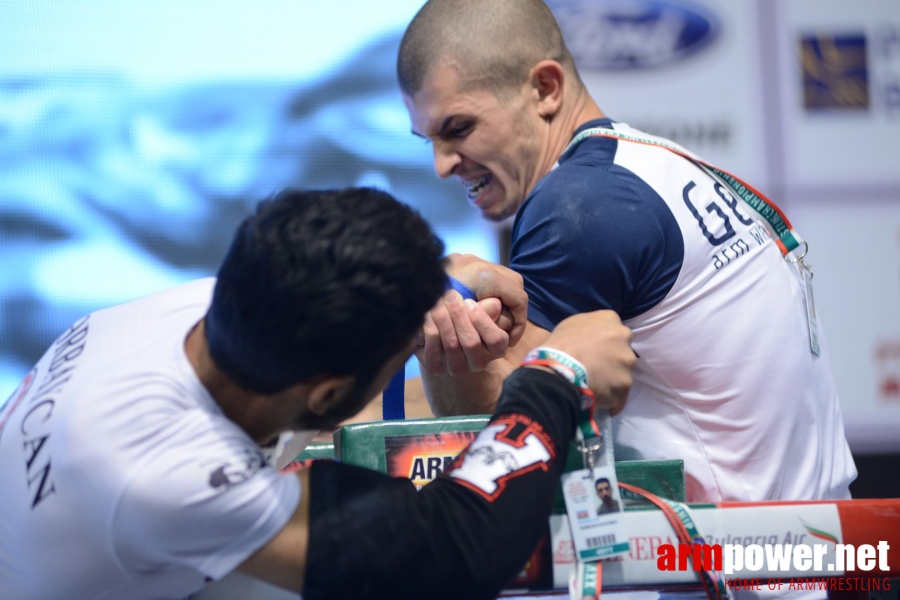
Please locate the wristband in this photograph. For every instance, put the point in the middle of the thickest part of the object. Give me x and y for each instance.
(571, 369)
(459, 286)
(575, 373)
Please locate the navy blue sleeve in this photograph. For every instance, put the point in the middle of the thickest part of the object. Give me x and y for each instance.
(593, 237)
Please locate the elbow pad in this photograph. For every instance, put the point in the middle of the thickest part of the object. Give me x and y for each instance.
(464, 535)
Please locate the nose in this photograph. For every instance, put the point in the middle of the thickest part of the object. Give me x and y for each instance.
(445, 160)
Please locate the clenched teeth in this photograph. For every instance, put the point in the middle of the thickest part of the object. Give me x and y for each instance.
(475, 186)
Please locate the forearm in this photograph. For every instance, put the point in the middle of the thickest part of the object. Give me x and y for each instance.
(477, 393)
(467, 394)
(462, 536)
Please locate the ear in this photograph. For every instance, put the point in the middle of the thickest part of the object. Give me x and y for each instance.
(326, 394)
(547, 78)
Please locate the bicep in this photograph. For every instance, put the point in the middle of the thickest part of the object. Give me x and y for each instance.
(580, 252)
(282, 560)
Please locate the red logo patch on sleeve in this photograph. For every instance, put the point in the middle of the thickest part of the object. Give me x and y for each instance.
(508, 447)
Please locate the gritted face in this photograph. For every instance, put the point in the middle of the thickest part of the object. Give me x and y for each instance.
(466, 71)
(491, 145)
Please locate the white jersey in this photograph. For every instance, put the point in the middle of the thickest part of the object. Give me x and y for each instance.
(121, 478)
(725, 378)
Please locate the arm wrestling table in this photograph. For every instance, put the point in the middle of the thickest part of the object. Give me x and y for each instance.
(421, 448)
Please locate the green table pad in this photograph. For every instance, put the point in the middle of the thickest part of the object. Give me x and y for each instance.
(421, 448)
(316, 452)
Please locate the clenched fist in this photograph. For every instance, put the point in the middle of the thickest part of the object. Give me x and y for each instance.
(600, 342)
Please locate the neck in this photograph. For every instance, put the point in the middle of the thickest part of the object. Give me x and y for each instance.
(241, 406)
(572, 116)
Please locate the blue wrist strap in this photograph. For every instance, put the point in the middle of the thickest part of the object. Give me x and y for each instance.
(392, 401)
(459, 286)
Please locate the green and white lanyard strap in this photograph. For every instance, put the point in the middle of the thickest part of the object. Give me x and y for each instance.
(587, 580)
(593, 442)
(793, 247)
(588, 435)
(786, 236)
(679, 516)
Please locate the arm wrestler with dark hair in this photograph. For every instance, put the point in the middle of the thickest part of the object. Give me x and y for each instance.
(130, 456)
(358, 533)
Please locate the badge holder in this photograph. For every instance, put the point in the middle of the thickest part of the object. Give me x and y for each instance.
(594, 507)
(805, 272)
(593, 502)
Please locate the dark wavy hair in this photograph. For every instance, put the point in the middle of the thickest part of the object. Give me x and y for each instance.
(328, 282)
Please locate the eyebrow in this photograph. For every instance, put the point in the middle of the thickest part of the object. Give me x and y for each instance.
(445, 125)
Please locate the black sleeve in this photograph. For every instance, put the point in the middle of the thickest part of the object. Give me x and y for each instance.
(466, 534)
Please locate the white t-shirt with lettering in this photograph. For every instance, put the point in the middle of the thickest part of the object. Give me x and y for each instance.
(120, 477)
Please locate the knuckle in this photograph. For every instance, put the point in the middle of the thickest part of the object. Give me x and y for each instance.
(471, 346)
(498, 342)
(451, 345)
(495, 338)
(499, 351)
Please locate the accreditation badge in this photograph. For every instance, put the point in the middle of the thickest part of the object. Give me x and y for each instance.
(811, 318)
(594, 507)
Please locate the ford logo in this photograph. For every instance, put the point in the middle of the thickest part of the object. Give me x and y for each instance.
(632, 34)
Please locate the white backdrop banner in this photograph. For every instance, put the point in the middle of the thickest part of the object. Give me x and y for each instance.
(687, 71)
(839, 68)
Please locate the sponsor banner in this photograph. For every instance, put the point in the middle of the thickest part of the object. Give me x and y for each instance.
(649, 530)
(614, 35)
(686, 70)
(423, 457)
(887, 371)
(839, 66)
(855, 253)
(363, 444)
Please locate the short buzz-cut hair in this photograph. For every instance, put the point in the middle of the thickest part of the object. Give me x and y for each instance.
(493, 44)
(326, 282)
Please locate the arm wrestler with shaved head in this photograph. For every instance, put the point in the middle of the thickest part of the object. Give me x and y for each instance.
(733, 375)
(130, 456)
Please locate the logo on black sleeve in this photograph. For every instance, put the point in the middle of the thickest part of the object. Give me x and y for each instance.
(507, 448)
